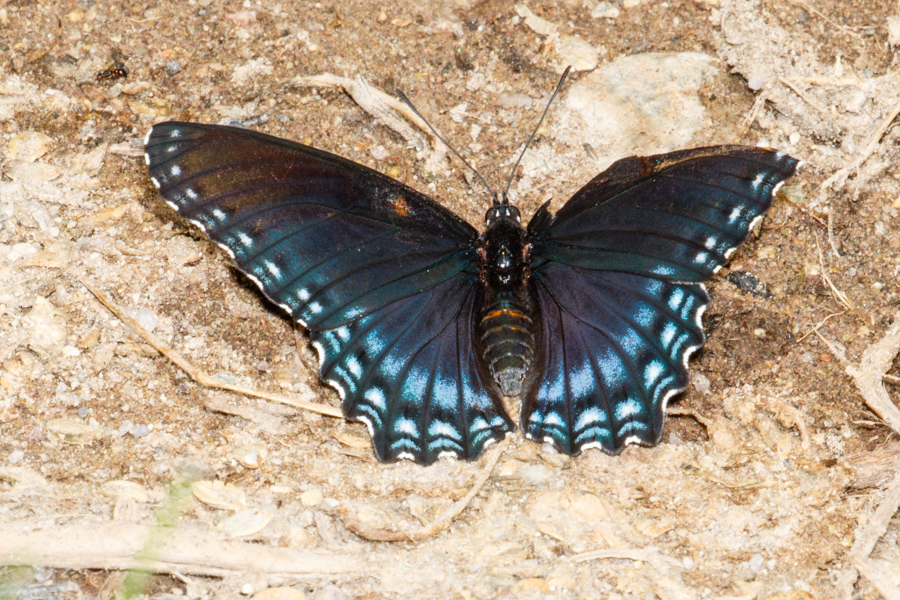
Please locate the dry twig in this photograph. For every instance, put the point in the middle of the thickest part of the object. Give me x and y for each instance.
(820, 324)
(866, 149)
(840, 296)
(113, 545)
(806, 6)
(879, 580)
(353, 523)
(869, 376)
(642, 555)
(815, 105)
(198, 375)
(382, 107)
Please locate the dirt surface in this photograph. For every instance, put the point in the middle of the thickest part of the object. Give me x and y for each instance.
(759, 497)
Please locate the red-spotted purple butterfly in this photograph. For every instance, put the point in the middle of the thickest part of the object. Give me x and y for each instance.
(422, 324)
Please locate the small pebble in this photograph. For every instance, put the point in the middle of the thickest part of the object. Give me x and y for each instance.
(605, 10)
(280, 593)
(140, 431)
(84, 412)
(756, 82)
(757, 562)
(16, 456)
(173, 67)
(825, 357)
(28, 146)
(312, 497)
(48, 328)
(145, 317)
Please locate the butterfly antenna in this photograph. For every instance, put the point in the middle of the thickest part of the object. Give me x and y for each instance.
(534, 133)
(490, 190)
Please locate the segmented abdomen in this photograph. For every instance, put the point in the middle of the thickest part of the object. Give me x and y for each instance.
(505, 336)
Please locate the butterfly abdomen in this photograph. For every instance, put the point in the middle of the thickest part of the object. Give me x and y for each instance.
(505, 337)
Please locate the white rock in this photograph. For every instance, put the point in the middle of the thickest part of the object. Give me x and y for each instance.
(245, 523)
(253, 69)
(145, 317)
(379, 152)
(893, 29)
(28, 146)
(535, 23)
(20, 251)
(605, 10)
(620, 114)
(48, 327)
(30, 172)
(576, 53)
(312, 497)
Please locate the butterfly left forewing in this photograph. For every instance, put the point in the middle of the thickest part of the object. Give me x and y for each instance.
(617, 275)
(326, 239)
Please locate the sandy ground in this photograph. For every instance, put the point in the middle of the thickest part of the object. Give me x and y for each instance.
(769, 491)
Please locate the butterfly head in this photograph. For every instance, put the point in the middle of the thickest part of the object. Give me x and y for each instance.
(502, 211)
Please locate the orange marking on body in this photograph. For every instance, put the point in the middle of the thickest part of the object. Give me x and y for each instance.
(506, 311)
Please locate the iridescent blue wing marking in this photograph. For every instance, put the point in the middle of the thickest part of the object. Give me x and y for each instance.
(614, 349)
(416, 382)
(617, 276)
(380, 275)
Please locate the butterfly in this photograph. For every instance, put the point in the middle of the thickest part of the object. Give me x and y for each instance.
(423, 325)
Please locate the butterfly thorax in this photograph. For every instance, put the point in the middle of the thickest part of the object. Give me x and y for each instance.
(505, 319)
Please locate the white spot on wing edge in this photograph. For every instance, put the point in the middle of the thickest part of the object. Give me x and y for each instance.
(632, 439)
(147, 159)
(147, 136)
(198, 224)
(595, 444)
(228, 250)
(155, 182)
(755, 221)
(320, 350)
(340, 388)
(368, 423)
(781, 183)
(172, 204)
